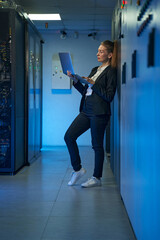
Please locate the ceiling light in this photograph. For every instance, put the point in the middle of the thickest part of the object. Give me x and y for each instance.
(45, 17)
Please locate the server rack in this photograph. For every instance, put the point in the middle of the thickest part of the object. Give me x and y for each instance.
(34, 91)
(11, 91)
(139, 100)
(15, 90)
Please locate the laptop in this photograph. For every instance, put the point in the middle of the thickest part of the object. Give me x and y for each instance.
(66, 64)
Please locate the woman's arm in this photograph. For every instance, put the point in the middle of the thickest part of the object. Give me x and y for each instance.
(76, 83)
(79, 86)
(106, 89)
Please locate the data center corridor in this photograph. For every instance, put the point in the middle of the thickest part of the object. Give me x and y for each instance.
(37, 203)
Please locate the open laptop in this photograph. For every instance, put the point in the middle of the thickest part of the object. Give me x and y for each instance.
(66, 64)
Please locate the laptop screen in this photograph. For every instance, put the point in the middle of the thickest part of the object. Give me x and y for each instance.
(66, 62)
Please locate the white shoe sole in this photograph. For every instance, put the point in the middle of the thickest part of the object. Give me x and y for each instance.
(90, 186)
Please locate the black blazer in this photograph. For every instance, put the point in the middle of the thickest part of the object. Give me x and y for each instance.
(103, 90)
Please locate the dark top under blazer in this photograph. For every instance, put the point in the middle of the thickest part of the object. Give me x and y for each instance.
(103, 90)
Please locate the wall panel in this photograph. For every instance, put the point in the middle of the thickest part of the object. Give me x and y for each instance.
(140, 116)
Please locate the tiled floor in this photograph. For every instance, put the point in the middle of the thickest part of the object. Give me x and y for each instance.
(37, 204)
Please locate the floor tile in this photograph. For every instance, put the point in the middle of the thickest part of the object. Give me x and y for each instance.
(22, 228)
(85, 228)
(26, 208)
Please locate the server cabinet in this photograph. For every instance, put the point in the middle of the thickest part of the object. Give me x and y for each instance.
(140, 115)
(34, 78)
(12, 91)
(20, 91)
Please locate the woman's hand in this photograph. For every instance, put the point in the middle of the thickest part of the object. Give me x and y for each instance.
(69, 74)
(89, 80)
(72, 76)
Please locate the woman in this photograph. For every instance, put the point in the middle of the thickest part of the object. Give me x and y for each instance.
(94, 113)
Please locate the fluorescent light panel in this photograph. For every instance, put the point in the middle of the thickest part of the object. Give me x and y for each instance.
(45, 17)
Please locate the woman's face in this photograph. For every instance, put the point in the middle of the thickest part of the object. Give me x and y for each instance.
(103, 56)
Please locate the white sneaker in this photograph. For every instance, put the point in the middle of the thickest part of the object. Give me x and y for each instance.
(76, 176)
(92, 182)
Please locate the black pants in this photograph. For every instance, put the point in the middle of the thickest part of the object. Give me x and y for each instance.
(82, 123)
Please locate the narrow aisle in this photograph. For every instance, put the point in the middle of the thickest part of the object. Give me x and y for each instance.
(37, 204)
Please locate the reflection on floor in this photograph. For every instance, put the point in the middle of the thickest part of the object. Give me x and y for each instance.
(37, 204)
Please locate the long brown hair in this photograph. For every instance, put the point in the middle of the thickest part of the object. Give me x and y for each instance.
(111, 48)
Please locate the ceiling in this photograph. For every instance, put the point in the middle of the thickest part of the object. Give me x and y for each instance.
(77, 15)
